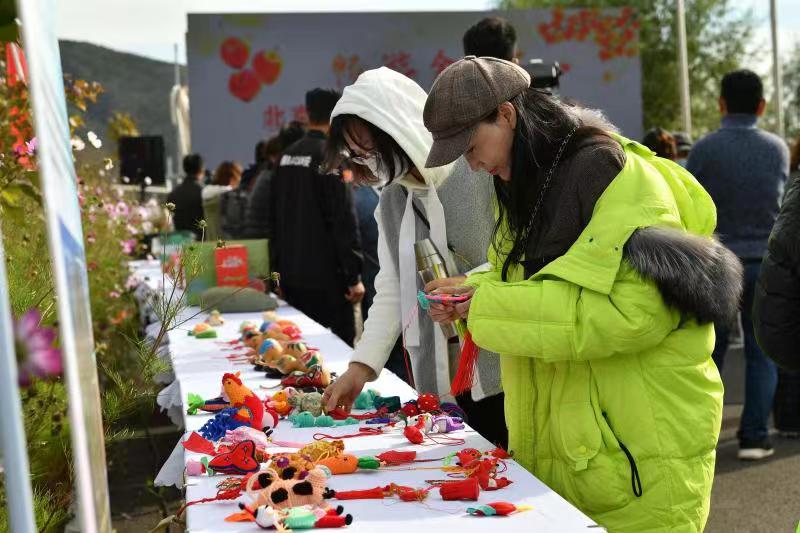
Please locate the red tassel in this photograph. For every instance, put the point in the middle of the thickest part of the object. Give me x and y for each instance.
(465, 375)
(368, 494)
(468, 489)
(393, 457)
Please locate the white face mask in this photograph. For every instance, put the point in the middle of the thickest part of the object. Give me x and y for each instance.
(381, 171)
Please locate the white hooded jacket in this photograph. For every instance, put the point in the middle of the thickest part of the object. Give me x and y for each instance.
(394, 103)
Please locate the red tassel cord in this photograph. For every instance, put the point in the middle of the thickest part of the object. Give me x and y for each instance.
(465, 375)
(406, 494)
(341, 414)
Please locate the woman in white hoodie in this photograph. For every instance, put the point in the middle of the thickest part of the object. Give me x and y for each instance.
(377, 130)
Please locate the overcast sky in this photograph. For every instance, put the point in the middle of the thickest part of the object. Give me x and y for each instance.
(152, 27)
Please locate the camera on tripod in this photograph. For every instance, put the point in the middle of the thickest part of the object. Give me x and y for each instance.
(544, 75)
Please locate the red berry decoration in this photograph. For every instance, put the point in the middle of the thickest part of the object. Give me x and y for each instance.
(244, 85)
(234, 52)
(268, 66)
(410, 409)
(428, 403)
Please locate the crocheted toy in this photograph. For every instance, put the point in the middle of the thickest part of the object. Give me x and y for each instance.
(322, 449)
(203, 331)
(215, 319)
(305, 517)
(268, 351)
(246, 409)
(241, 460)
(280, 401)
(247, 325)
(195, 402)
(497, 509)
(305, 419)
(288, 363)
(295, 348)
(349, 464)
(307, 401)
(366, 399)
(291, 465)
(317, 377)
(284, 493)
(428, 403)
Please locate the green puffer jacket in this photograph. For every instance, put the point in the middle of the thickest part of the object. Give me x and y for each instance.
(612, 398)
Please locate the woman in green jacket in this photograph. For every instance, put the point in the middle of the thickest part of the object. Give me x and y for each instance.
(605, 285)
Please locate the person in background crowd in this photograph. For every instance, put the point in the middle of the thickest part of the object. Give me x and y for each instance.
(366, 199)
(256, 224)
(604, 284)
(776, 304)
(377, 127)
(683, 146)
(187, 196)
(744, 170)
(226, 178)
(251, 173)
(491, 37)
(314, 239)
(661, 142)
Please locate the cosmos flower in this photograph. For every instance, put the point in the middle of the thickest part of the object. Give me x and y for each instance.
(36, 355)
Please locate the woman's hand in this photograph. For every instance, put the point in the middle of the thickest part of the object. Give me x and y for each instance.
(343, 392)
(446, 312)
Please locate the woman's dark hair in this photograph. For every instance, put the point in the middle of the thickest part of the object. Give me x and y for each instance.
(661, 142)
(543, 123)
(383, 145)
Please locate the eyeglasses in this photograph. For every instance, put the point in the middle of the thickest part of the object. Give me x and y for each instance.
(358, 159)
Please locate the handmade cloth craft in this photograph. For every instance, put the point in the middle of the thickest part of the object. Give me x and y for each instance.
(203, 331)
(215, 319)
(497, 509)
(246, 409)
(304, 517)
(281, 493)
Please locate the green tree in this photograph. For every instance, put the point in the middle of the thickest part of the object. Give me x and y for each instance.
(717, 38)
(791, 94)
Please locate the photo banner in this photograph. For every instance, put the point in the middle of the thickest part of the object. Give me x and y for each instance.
(248, 73)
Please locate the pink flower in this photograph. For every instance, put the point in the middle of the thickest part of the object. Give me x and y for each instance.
(110, 209)
(130, 228)
(81, 199)
(122, 209)
(34, 346)
(114, 294)
(91, 238)
(29, 148)
(131, 283)
(128, 246)
(92, 217)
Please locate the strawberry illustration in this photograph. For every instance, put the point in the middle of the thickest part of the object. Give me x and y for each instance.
(234, 52)
(244, 85)
(268, 66)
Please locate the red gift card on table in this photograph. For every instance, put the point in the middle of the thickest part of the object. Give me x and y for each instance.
(231, 264)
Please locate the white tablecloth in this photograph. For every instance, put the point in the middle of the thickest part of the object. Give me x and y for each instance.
(198, 365)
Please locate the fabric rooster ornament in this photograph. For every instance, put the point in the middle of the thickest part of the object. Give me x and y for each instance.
(244, 409)
(250, 407)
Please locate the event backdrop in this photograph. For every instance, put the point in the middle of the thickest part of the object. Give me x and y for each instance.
(248, 73)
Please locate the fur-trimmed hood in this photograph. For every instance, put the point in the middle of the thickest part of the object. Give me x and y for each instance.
(696, 275)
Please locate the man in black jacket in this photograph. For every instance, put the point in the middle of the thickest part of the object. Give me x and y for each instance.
(187, 197)
(314, 234)
(776, 308)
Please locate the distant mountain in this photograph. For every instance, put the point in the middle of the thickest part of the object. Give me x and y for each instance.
(133, 84)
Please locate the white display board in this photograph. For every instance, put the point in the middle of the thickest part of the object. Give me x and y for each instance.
(248, 73)
(68, 262)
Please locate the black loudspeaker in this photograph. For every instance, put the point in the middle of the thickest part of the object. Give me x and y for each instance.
(140, 158)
